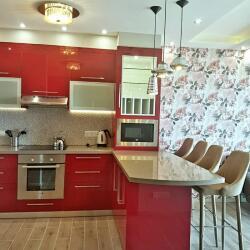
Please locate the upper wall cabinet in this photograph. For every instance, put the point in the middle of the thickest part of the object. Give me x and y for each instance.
(10, 60)
(91, 96)
(10, 92)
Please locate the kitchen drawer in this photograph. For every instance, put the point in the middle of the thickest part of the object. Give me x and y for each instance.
(87, 162)
(8, 175)
(39, 205)
(8, 161)
(8, 194)
(84, 197)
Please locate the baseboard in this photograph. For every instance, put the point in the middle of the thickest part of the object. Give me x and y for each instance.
(17, 215)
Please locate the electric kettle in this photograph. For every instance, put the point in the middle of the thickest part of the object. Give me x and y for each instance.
(102, 138)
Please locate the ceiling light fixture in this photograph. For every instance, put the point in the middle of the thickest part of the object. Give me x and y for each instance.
(58, 13)
(152, 88)
(163, 68)
(104, 32)
(198, 21)
(247, 61)
(180, 62)
(64, 28)
(22, 25)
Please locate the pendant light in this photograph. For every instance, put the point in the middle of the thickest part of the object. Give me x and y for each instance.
(180, 62)
(163, 68)
(247, 61)
(153, 81)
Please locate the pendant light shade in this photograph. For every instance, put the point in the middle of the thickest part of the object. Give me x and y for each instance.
(180, 62)
(152, 88)
(152, 85)
(163, 68)
(247, 61)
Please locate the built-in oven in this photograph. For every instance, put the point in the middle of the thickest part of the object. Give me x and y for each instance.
(40, 177)
(137, 132)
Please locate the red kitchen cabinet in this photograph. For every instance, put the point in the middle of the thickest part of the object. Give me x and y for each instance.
(58, 74)
(88, 182)
(94, 65)
(34, 70)
(8, 183)
(39, 205)
(10, 60)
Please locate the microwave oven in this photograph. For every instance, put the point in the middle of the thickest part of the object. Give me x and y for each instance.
(137, 133)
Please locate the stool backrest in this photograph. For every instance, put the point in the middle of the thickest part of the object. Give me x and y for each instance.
(211, 160)
(198, 152)
(185, 147)
(234, 170)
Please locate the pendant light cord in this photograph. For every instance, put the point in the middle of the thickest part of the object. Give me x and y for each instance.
(165, 21)
(154, 42)
(181, 29)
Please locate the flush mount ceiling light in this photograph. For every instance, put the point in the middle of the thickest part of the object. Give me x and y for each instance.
(180, 62)
(247, 61)
(163, 68)
(152, 88)
(58, 13)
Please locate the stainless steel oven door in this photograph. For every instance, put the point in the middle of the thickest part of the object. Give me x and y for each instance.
(45, 181)
(137, 132)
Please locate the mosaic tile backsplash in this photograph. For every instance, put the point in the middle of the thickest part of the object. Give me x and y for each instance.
(209, 101)
(42, 124)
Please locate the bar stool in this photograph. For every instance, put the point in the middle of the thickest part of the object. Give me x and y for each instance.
(211, 160)
(198, 152)
(234, 170)
(185, 148)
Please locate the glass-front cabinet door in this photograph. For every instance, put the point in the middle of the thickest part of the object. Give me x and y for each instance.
(136, 71)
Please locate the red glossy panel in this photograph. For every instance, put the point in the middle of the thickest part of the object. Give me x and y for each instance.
(8, 175)
(8, 161)
(34, 69)
(8, 194)
(10, 60)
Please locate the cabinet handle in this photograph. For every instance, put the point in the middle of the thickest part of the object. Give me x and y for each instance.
(87, 157)
(44, 92)
(114, 178)
(93, 77)
(87, 172)
(1, 188)
(88, 186)
(119, 96)
(2, 172)
(40, 204)
(4, 73)
(121, 191)
(2, 158)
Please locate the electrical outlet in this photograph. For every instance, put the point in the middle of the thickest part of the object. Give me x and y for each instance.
(90, 134)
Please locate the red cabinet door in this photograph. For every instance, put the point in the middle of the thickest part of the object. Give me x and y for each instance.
(95, 65)
(57, 72)
(88, 182)
(10, 60)
(34, 70)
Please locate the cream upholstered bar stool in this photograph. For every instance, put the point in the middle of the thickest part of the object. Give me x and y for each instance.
(197, 153)
(234, 170)
(185, 148)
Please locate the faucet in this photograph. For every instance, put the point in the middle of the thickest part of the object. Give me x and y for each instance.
(59, 143)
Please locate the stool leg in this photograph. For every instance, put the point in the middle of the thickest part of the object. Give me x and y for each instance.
(238, 209)
(223, 221)
(202, 220)
(215, 220)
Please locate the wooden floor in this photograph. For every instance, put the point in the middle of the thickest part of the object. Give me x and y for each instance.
(99, 233)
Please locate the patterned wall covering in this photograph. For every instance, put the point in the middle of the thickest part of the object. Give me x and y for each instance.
(210, 101)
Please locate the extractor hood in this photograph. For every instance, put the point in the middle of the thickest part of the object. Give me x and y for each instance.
(44, 101)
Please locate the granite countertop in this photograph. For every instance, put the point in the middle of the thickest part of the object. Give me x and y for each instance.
(68, 150)
(163, 168)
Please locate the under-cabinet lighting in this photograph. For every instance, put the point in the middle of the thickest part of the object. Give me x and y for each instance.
(104, 32)
(64, 28)
(102, 112)
(12, 109)
(22, 25)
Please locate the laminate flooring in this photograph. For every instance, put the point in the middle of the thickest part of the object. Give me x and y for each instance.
(99, 233)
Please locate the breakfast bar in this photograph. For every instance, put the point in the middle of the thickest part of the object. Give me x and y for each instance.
(152, 199)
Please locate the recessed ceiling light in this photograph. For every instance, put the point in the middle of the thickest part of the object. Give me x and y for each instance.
(243, 48)
(104, 32)
(64, 28)
(22, 25)
(198, 21)
(136, 57)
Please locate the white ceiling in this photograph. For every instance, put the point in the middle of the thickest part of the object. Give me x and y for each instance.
(226, 23)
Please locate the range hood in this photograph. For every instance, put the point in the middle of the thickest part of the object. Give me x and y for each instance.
(44, 101)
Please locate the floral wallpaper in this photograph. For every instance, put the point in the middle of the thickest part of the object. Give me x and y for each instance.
(209, 101)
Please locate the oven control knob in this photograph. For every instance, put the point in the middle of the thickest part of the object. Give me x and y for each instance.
(51, 159)
(32, 159)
